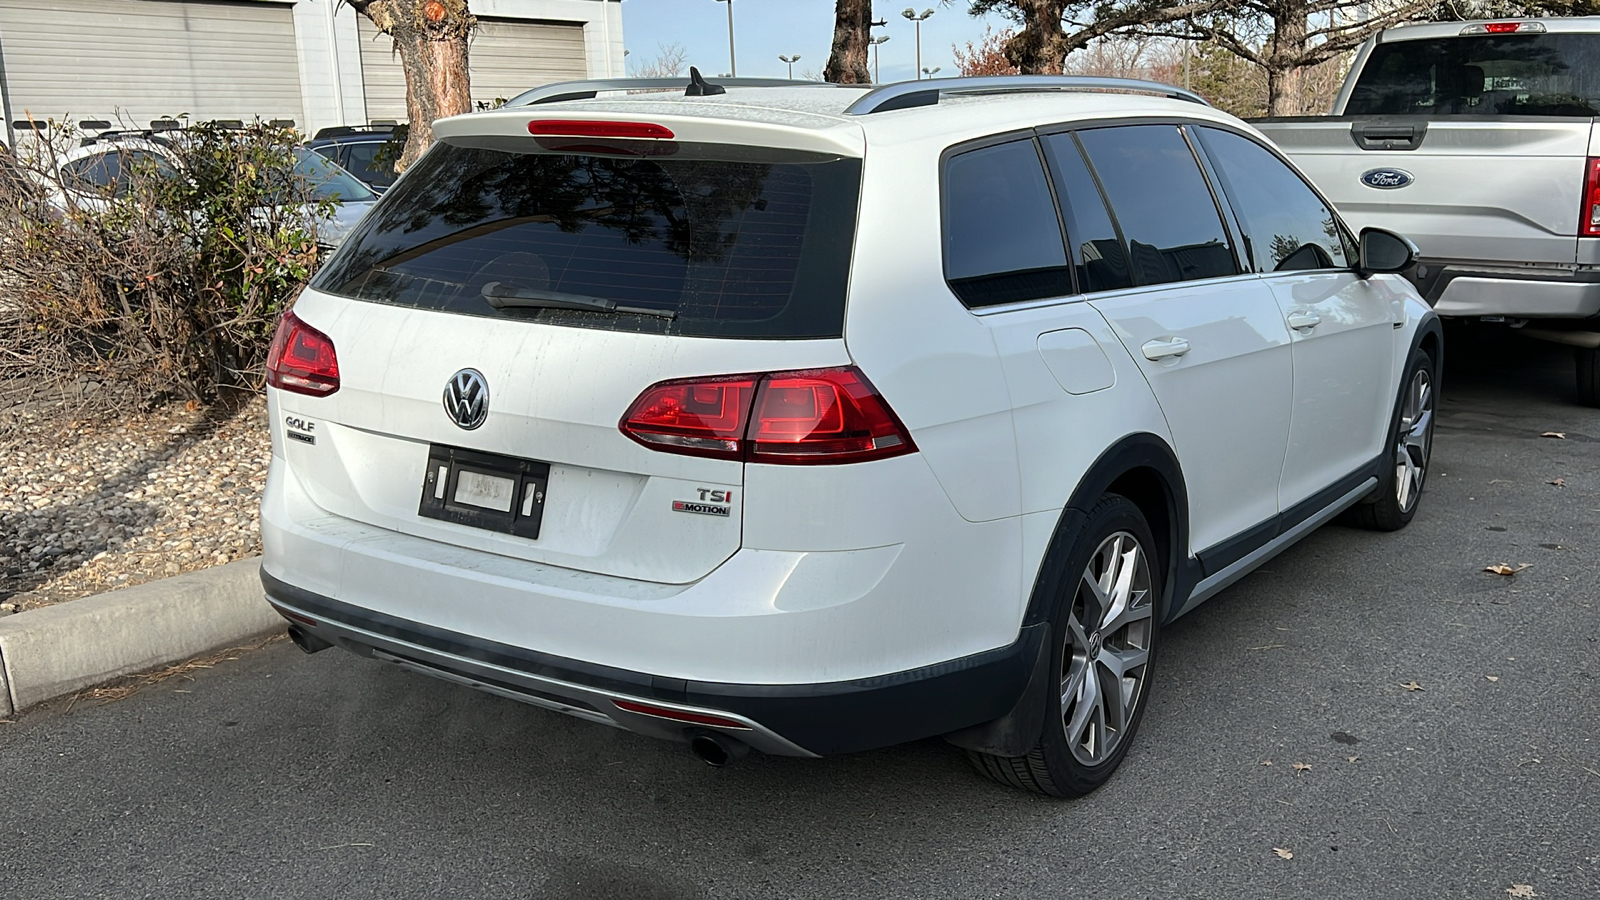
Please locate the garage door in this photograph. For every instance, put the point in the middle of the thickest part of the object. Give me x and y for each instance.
(149, 59)
(506, 58)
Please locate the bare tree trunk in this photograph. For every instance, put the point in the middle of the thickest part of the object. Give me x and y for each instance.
(852, 28)
(1285, 63)
(431, 38)
(1038, 49)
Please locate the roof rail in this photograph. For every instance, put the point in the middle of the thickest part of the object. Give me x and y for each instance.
(585, 90)
(338, 131)
(909, 94)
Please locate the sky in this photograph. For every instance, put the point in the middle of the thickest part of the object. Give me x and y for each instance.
(765, 29)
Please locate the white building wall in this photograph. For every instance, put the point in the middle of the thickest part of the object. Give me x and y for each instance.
(330, 65)
(330, 49)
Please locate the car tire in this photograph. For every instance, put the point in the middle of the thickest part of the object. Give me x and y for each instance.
(1588, 359)
(1104, 629)
(1410, 449)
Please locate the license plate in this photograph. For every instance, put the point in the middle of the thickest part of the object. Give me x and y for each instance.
(484, 490)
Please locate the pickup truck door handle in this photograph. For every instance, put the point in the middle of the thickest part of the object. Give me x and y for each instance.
(1163, 348)
(1300, 320)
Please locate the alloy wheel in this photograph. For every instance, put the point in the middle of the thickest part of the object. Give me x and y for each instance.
(1107, 649)
(1414, 441)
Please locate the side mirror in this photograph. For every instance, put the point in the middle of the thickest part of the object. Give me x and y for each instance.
(1384, 252)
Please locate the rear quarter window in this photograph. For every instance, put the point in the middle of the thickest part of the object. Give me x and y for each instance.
(1002, 239)
(728, 241)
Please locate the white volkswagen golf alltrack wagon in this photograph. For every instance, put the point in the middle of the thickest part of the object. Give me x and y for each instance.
(815, 419)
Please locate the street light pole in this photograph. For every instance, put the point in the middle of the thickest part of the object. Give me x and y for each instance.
(877, 73)
(733, 65)
(874, 42)
(790, 60)
(911, 14)
(931, 72)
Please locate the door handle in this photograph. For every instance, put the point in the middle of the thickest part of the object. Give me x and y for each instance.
(1300, 320)
(1164, 348)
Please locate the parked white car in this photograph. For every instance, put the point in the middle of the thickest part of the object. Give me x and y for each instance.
(94, 174)
(817, 419)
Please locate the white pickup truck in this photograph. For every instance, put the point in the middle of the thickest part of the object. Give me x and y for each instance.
(1478, 141)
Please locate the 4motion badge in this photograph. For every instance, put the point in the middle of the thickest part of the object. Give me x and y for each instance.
(711, 503)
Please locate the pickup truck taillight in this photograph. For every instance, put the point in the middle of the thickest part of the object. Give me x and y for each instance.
(1589, 221)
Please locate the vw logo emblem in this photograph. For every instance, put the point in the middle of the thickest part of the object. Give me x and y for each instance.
(466, 398)
(1387, 179)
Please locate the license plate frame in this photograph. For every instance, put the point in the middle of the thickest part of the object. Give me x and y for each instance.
(442, 490)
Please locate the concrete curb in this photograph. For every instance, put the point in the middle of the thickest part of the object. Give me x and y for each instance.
(46, 653)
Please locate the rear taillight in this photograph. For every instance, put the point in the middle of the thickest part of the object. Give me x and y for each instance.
(1589, 219)
(696, 416)
(301, 359)
(810, 417)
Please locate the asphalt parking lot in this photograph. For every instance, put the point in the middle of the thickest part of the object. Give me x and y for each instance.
(280, 774)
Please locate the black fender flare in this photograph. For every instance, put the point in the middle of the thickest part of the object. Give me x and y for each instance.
(1014, 733)
(1136, 451)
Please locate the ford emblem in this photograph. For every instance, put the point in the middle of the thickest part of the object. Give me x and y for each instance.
(1387, 179)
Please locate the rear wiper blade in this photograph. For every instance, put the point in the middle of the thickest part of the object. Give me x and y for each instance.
(505, 296)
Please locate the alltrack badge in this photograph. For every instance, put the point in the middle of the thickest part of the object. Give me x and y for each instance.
(466, 398)
(1387, 179)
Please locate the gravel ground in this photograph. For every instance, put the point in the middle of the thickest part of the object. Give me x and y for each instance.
(92, 505)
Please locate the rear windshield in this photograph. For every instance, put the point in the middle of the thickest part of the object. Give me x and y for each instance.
(1492, 75)
(727, 241)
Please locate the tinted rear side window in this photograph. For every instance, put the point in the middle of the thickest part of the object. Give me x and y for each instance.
(1162, 202)
(1512, 74)
(1002, 241)
(1097, 251)
(362, 161)
(736, 242)
(1287, 227)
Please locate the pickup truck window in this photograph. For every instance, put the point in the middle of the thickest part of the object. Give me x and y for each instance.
(1161, 200)
(1513, 74)
(1287, 227)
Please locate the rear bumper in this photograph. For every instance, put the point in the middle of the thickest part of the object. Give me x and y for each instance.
(1483, 289)
(788, 719)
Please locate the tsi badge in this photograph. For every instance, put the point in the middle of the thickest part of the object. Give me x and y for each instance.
(1387, 179)
(712, 503)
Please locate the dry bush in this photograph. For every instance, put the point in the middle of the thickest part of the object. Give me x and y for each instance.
(161, 280)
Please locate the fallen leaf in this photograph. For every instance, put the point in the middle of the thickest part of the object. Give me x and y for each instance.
(1302, 767)
(1492, 677)
(1504, 569)
(1558, 482)
(1521, 890)
(1351, 758)
(1286, 853)
(1266, 762)
(1412, 686)
(1558, 435)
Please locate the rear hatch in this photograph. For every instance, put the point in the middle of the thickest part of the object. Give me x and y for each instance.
(1473, 146)
(564, 276)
